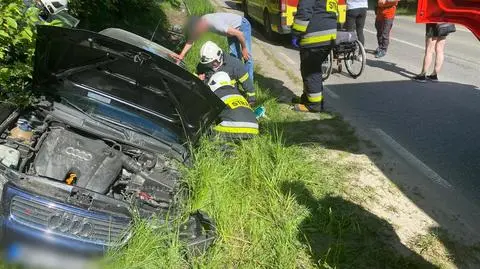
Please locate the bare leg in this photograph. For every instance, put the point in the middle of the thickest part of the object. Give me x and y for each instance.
(439, 49)
(429, 50)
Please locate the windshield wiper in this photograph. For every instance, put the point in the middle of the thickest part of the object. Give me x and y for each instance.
(114, 124)
(122, 131)
(139, 130)
(82, 68)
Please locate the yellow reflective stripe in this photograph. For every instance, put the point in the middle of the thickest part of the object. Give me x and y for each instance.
(315, 99)
(251, 94)
(243, 78)
(236, 130)
(299, 28)
(317, 39)
(299, 25)
(225, 83)
(236, 101)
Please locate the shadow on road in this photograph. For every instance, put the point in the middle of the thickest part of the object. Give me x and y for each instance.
(346, 235)
(423, 109)
(391, 67)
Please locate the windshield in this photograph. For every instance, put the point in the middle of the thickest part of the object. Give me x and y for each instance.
(117, 112)
(140, 42)
(66, 19)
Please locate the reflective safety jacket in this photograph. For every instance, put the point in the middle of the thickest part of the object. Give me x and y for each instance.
(237, 72)
(237, 118)
(316, 22)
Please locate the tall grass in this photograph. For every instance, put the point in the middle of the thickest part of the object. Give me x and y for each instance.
(275, 199)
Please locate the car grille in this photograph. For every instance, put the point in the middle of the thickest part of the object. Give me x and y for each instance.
(51, 218)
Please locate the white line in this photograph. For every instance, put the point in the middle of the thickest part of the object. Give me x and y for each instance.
(409, 157)
(288, 59)
(398, 40)
(331, 93)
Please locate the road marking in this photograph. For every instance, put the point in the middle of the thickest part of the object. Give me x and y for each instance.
(398, 40)
(331, 93)
(449, 56)
(288, 59)
(409, 157)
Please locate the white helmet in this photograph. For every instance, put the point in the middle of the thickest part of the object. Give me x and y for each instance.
(54, 6)
(210, 52)
(218, 80)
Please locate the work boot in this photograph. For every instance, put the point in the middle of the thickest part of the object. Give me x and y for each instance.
(303, 108)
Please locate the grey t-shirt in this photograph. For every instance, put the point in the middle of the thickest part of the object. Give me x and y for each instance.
(219, 22)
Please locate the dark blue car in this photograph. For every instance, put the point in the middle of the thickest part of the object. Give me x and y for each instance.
(114, 118)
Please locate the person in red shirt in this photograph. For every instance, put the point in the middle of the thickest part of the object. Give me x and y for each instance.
(385, 12)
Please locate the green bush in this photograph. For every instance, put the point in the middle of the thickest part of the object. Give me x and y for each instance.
(17, 46)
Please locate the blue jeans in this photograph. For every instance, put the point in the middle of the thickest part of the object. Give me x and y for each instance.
(236, 49)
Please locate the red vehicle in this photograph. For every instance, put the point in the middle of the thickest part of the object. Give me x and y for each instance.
(465, 12)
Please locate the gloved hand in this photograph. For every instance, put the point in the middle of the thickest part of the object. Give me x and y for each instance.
(296, 41)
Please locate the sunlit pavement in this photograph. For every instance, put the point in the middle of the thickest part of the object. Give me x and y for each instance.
(436, 123)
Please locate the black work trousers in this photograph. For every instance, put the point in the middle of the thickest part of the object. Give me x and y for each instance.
(356, 22)
(311, 60)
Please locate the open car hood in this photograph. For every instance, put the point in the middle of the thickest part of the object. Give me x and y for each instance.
(114, 69)
(465, 12)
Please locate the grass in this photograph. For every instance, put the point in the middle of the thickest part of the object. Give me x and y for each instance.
(276, 199)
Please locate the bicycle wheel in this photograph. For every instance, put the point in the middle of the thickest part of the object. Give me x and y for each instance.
(355, 60)
(327, 66)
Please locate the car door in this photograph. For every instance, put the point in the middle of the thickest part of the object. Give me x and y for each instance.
(465, 12)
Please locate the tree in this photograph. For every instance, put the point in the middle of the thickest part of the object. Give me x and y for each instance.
(17, 46)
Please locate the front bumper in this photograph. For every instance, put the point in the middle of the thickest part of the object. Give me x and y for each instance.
(31, 219)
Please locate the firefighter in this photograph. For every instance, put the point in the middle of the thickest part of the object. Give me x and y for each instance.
(314, 31)
(212, 59)
(237, 120)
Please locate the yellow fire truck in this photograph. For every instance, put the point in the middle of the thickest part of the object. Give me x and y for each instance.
(276, 16)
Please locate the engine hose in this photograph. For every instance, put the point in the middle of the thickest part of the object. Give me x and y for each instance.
(9, 121)
(130, 164)
(18, 143)
(40, 141)
(24, 162)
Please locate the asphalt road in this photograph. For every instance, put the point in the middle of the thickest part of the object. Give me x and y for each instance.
(435, 125)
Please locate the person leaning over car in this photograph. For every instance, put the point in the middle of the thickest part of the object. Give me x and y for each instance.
(235, 27)
(237, 120)
(212, 59)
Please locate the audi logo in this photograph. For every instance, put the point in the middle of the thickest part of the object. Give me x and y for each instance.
(70, 224)
(79, 154)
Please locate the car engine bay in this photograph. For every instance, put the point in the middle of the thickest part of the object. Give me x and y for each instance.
(37, 144)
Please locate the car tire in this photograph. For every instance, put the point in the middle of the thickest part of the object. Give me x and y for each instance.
(267, 26)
